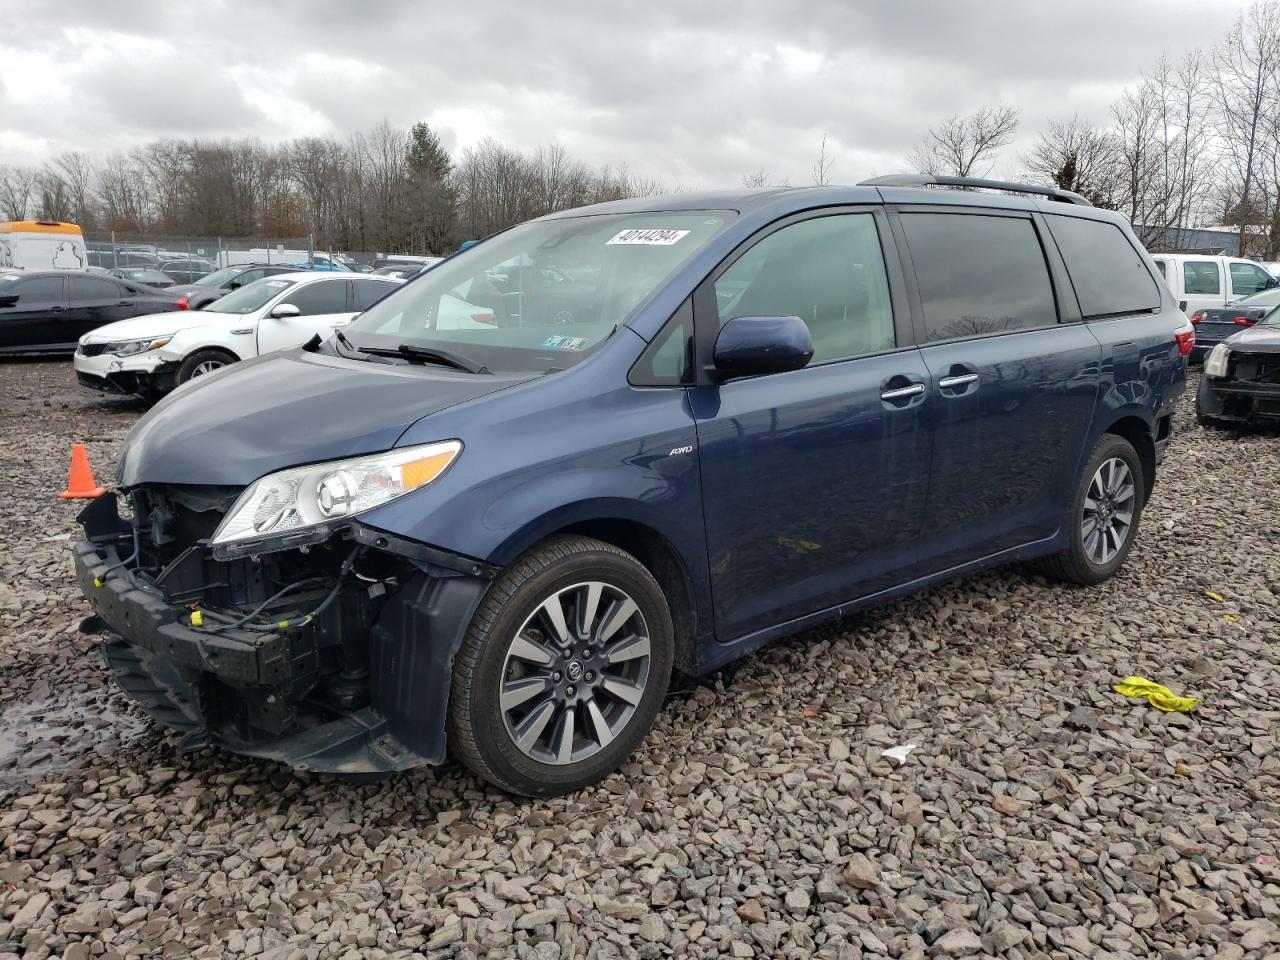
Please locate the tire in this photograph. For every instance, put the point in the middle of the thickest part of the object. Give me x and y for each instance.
(1090, 560)
(519, 744)
(202, 362)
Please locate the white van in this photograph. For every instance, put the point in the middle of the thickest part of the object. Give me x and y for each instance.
(42, 245)
(1206, 283)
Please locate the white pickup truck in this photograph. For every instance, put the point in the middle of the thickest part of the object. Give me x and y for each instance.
(1205, 283)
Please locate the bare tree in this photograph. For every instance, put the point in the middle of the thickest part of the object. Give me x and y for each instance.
(822, 166)
(77, 172)
(16, 187)
(1076, 156)
(966, 146)
(1245, 86)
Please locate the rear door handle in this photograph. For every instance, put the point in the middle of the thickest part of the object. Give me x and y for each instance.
(125, 303)
(57, 309)
(902, 393)
(946, 383)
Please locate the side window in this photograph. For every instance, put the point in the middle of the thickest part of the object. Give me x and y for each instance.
(369, 292)
(978, 274)
(1201, 276)
(829, 272)
(326, 296)
(1246, 278)
(249, 276)
(39, 290)
(93, 288)
(1108, 274)
(1160, 267)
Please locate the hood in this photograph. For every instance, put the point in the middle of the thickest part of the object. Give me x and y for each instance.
(151, 325)
(284, 409)
(1259, 339)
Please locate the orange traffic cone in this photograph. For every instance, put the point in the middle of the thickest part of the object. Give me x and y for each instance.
(81, 486)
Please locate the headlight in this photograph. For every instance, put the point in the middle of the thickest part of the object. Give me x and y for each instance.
(1216, 365)
(310, 499)
(127, 348)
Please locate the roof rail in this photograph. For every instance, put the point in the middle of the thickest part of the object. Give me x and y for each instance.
(929, 180)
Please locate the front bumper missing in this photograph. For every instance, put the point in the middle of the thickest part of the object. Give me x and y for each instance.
(1239, 401)
(361, 690)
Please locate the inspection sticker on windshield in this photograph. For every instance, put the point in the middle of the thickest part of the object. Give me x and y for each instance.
(565, 343)
(653, 238)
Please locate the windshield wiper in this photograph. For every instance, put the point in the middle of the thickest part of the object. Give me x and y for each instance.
(445, 358)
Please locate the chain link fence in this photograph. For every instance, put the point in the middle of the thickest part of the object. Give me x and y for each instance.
(188, 254)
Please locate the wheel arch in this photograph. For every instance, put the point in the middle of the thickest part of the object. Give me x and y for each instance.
(1140, 433)
(652, 548)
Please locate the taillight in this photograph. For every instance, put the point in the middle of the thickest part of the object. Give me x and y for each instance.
(1244, 322)
(1197, 316)
(1185, 338)
(184, 303)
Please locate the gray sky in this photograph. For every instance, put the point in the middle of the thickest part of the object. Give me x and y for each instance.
(695, 94)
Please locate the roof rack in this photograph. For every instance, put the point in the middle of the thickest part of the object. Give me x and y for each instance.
(929, 180)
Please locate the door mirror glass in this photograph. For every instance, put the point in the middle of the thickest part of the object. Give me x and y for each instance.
(282, 310)
(750, 346)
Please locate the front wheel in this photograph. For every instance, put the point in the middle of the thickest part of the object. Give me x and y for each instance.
(1104, 516)
(202, 362)
(563, 669)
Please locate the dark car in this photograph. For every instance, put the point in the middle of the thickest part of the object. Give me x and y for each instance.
(151, 278)
(1241, 381)
(188, 270)
(48, 311)
(1217, 324)
(488, 528)
(210, 287)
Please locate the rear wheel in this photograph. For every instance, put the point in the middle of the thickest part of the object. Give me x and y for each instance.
(563, 669)
(1104, 516)
(202, 362)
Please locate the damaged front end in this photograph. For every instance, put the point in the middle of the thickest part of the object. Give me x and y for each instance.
(1241, 385)
(329, 656)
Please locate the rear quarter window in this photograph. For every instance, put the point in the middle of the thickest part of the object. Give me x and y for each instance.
(1108, 274)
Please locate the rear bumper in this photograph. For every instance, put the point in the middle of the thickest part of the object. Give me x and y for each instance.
(361, 692)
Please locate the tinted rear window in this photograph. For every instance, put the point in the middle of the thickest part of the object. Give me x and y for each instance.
(1108, 274)
(978, 275)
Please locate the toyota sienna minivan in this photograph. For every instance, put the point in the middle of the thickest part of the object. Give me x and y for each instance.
(491, 516)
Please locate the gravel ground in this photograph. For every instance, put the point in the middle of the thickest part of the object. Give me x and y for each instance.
(1039, 814)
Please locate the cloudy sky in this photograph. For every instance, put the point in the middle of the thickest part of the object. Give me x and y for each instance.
(695, 94)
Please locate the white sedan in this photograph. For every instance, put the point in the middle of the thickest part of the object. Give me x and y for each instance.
(149, 356)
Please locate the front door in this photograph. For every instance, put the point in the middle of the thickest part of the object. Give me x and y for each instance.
(323, 306)
(1203, 287)
(813, 481)
(33, 312)
(1011, 389)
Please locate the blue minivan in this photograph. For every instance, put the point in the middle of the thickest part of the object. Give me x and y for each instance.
(493, 515)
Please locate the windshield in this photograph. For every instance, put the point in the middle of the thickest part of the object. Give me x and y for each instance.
(541, 295)
(249, 297)
(1263, 298)
(218, 277)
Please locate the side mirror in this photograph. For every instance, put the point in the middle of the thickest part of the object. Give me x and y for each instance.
(282, 310)
(749, 346)
(1273, 282)
(9, 300)
(233, 285)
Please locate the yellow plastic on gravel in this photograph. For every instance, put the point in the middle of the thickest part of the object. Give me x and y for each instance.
(1159, 696)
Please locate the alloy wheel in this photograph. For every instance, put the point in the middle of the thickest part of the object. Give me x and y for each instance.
(1108, 511)
(574, 673)
(208, 366)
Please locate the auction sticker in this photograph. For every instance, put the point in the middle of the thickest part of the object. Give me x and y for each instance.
(651, 237)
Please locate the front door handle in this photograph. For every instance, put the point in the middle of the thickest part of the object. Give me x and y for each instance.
(902, 393)
(960, 380)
